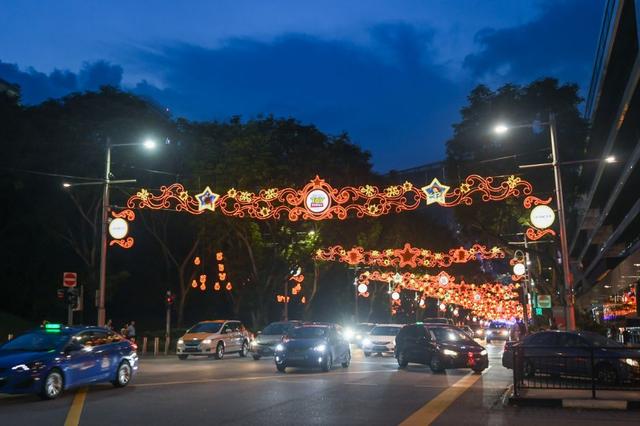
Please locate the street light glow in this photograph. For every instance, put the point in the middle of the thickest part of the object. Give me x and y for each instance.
(500, 129)
(610, 159)
(66, 184)
(149, 144)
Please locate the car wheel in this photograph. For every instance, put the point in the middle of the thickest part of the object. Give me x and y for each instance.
(256, 357)
(478, 369)
(528, 370)
(347, 360)
(402, 360)
(245, 350)
(281, 367)
(219, 351)
(52, 386)
(183, 357)
(367, 354)
(123, 375)
(327, 364)
(436, 364)
(606, 374)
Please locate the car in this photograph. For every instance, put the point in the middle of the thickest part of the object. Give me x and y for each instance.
(54, 358)
(497, 330)
(272, 334)
(445, 321)
(214, 339)
(313, 345)
(568, 353)
(440, 347)
(358, 332)
(479, 332)
(468, 330)
(381, 339)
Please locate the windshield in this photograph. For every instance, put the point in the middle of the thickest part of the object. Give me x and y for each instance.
(308, 332)
(278, 328)
(498, 325)
(448, 334)
(36, 342)
(206, 327)
(385, 331)
(364, 328)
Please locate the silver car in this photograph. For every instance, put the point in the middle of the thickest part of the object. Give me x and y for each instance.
(265, 343)
(214, 339)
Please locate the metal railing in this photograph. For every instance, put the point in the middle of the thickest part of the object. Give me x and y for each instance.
(575, 368)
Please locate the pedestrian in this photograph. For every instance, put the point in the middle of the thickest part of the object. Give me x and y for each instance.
(131, 331)
(124, 330)
(522, 329)
(109, 325)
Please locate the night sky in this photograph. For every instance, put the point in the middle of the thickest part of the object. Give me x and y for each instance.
(393, 74)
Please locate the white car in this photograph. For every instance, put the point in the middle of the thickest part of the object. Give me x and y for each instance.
(381, 339)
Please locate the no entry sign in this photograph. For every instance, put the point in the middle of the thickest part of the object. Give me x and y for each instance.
(69, 279)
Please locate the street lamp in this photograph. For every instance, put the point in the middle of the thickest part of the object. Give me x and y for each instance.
(568, 283)
(148, 144)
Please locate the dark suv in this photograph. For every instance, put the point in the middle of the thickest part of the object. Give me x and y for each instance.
(440, 347)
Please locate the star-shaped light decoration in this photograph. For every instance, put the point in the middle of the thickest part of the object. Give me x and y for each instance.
(407, 255)
(435, 192)
(207, 199)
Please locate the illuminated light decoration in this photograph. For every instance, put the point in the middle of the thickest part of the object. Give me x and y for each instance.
(435, 192)
(395, 295)
(119, 228)
(229, 287)
(303, 300)
(487, 300)
(542, 217)
(456, 312)
(362, 288)
(408, 256)
(443, 307)
(219, 256)
(221, 267)
(297, 278)
(203, 278)
(281, 299)
(194, 284)
(519, 269)
(216, 286)
(222, 276)
(203, 287)
(535, 234)
(443, 278)
(196, 261)
(207, 199)
(341, 203)
(519, 259)
(422, 303)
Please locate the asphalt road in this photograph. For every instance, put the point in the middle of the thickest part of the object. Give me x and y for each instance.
(241, 391)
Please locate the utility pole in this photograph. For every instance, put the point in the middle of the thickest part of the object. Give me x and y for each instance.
(104, 218)
(355, 292)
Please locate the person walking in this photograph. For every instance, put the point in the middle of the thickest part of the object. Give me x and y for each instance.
(124, 330)
(131, 331)
(109, 325)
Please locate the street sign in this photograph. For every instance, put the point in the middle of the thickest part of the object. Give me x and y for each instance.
(69, 279)
(544, 300)
(538, 311)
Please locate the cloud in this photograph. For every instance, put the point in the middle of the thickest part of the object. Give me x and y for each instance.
(389, 95)
(37, 86)
(561, 42)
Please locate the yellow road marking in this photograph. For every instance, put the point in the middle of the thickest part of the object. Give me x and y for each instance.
(242, 379)
(73, 416)
(434, 408)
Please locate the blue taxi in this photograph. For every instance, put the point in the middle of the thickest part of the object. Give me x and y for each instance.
(51, 359)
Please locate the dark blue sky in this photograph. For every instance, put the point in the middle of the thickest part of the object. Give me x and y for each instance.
(393, 74)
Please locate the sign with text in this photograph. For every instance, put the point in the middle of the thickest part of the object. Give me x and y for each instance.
(544, 301)
(69, 279)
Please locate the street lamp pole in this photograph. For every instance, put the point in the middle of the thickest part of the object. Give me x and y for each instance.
(570, 318)
(103, 240)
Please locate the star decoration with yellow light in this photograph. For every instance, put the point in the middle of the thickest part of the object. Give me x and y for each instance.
(207, 199)
(435, 192)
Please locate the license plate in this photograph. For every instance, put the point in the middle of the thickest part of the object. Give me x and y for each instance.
(191, 349)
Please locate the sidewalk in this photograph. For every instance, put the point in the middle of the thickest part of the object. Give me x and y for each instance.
(576, 398)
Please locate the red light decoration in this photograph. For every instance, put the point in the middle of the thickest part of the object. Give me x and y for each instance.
(318, 200)
(125, 243)
(487, 300)
(534, 233)
(408, 256)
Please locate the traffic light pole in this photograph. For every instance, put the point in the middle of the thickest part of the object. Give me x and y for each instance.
(69, 314)
(169, 301)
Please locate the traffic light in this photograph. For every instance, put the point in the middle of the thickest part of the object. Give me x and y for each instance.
(71, 298)
(169, 298)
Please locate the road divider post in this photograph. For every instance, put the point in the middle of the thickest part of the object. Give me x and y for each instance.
(166, 345)
(144, 345)
(156, 346)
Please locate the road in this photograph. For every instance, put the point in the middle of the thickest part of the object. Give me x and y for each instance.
(241, 391)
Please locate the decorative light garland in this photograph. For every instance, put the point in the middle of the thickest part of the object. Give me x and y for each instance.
(129, 216)
(318, 200)
(408, 256)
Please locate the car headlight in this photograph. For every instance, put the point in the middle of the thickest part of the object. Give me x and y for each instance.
(279, 347)
(254, 343)
(632, 362)
(207, 341)
(348, 333)
(483, 352)
(481, 331)
(320, 348)
(449, 352)
(504, 332)
(366, 342)
(180, 342)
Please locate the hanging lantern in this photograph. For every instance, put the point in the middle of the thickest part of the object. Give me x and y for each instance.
(203, 287)
(229, 287)
(196, 261)
(203, 279)
(362, 288)
(194, 284)
(216, 286)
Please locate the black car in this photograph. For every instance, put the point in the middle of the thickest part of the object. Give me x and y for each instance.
(440, 347)
(313, 345)
(568, 353)
(265, 343)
